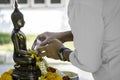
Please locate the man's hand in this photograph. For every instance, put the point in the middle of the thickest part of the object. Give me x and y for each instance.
(47, 36)
(51, 49)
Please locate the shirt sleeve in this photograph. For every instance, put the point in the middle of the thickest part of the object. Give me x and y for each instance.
(85, 19)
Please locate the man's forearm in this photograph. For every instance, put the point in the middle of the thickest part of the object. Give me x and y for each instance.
(66, 36)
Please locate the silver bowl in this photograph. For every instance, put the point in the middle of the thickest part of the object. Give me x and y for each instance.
(72, 75)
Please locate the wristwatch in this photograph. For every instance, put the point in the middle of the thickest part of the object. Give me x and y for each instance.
(60, 53)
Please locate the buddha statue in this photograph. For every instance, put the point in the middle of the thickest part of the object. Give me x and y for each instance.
(25, 66)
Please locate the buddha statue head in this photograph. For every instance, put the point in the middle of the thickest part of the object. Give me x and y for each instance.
(17, 18)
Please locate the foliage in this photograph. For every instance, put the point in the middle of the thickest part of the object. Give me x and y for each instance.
(9, 46)
(30, 40)
(4, 38)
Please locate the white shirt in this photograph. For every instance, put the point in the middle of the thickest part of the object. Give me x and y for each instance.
(95, 25)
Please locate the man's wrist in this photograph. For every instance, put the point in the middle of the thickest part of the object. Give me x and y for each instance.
(64, 53)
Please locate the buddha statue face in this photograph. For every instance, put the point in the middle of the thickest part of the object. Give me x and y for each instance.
(17, 18)
(20, 22)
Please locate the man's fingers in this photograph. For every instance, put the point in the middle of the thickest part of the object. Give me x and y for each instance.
(45, 42)
(42, 54)
(42, 51)
(34, 44)
(54, 41)
(41, 37)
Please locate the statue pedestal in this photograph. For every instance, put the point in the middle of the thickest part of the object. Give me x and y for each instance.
(27, 72)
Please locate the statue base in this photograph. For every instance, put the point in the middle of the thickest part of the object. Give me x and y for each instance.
(26, 73)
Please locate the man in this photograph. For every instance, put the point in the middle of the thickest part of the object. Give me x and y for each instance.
(95, 26)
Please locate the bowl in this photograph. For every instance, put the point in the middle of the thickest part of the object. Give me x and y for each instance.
(72, 75)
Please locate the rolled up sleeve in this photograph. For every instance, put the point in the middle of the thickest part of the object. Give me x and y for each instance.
(85, 19)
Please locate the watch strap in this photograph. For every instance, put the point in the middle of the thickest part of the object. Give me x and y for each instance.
(60, 53)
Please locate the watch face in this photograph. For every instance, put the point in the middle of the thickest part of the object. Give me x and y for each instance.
(60, 55)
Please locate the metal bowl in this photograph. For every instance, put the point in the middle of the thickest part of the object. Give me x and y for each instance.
(72, 75)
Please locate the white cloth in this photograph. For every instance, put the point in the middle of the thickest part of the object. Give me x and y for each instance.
(95, 25)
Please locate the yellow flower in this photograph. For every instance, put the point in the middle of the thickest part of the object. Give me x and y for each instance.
(32, 56)
(35, 55)
(10, 71)
(6, 76)
(20, 36)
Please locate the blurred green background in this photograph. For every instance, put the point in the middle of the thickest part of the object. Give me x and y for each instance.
(6, 44)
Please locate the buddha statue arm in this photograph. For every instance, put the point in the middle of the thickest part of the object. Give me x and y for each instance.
(17, 47)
